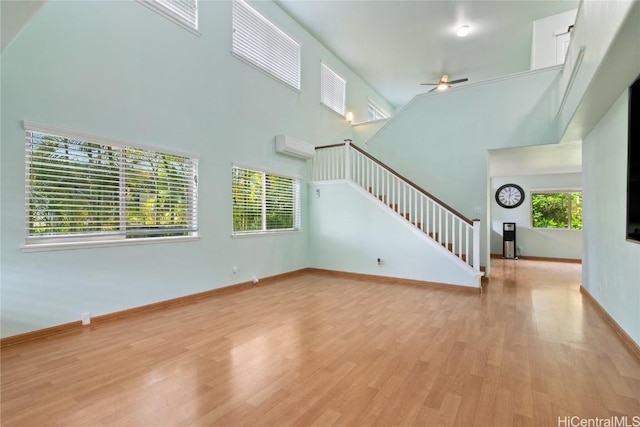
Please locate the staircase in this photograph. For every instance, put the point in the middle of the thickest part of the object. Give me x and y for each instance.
(451, 231)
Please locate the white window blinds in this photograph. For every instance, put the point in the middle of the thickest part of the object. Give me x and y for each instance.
(374, 112)
(264, 45)
(184, 12)
(332, 90)
(78, 189)
(264, 202)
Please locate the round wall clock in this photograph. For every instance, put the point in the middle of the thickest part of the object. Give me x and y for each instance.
(510, 196)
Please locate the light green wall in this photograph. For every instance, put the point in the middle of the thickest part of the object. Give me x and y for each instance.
(611, 265)
(535, 242)
(362, 132)
(350, 229)
(543, 42)
(120, 70)
(597, 24)
(440, 140)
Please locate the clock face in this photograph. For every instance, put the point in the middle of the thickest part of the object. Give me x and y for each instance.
(510, 196)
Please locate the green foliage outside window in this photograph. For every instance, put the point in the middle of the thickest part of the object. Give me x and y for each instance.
(79, 188)
(157, 191)
(247, 200)
(280, 192)
(557, 210)
(263, 201)
(62, 199)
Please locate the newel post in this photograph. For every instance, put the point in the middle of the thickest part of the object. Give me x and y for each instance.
(476, 244)
(347, 159)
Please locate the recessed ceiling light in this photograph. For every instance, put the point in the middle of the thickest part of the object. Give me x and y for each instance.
(463, 31)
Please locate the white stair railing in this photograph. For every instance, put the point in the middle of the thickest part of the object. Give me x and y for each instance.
(456, 233)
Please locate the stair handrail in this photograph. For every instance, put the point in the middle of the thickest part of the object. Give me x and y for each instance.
(472, 224)
(408, 181)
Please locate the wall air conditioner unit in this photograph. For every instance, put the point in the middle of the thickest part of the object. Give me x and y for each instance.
(294, 147)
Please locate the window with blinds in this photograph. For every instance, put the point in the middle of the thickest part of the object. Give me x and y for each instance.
(183, 12)
(264, 202)
(332, 90)
(262, 44)
(78, 190)
(374, 112)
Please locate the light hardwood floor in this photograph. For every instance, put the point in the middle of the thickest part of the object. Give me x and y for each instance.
(318, 350)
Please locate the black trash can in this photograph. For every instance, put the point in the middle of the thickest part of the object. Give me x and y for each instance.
(509, 240)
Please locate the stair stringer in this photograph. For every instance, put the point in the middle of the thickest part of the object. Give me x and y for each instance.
(351, 228)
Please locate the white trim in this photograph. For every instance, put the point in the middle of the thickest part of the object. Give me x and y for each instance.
(326, 107)
(532, 228)
(261, 169)
(386, 119)
(89, 244)
(170, 16)
(378, 108)
(574, 72)
(248, 234)
(51, 130)
(556, 190)
(268, 74)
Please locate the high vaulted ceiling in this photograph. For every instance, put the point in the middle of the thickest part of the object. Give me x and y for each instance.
(396, 45)
(14, 15)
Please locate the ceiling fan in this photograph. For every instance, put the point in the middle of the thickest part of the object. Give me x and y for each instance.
(444, 83)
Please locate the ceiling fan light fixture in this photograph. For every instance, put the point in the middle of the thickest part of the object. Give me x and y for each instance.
(442, 86)
(463, 31)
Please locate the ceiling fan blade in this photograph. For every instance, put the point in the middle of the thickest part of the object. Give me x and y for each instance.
(429, 84)
(458, 81)
(435, 88)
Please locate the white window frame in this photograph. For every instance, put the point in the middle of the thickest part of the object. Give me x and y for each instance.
(264, 231)
(553, 191)
(379, 113)
(261, 44)
(333, 90)
(125, 234)
(181, 12)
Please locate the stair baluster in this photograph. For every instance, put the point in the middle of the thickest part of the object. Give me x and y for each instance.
(425, 212)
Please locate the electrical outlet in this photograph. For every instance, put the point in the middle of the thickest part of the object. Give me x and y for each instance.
(234, 269)
(85, 317)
